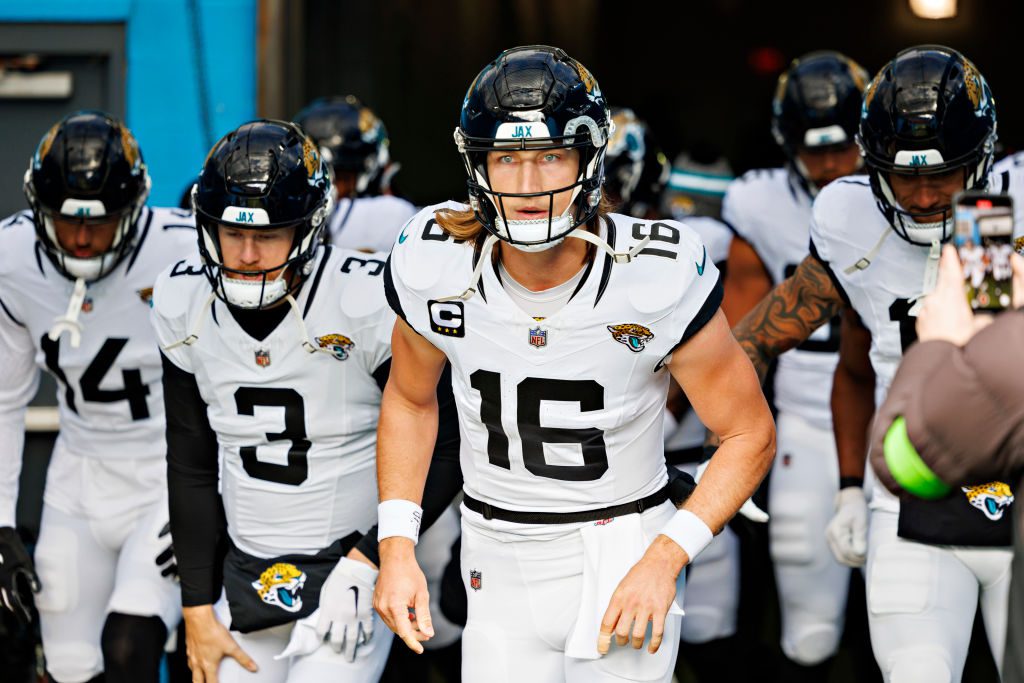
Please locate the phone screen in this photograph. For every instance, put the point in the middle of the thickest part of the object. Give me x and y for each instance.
(983, 235)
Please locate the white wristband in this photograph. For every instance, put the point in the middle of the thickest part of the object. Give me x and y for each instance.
(689, 532)
(398, 517)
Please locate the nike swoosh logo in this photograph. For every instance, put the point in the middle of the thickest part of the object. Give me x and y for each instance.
(355, 596)
(700, 266)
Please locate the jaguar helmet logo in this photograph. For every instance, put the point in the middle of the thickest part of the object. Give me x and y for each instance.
(280, 584)
(634, 336)
(338, 344)
(992, 498)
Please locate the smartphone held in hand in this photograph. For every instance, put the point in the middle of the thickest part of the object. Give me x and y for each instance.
(983, 235)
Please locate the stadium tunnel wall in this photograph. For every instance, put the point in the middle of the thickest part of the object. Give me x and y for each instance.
(184, 87)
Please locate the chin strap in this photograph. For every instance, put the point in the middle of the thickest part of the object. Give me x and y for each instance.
(69, 321)
(585, 235)
(193, 336)
(307, 345)
(931, 276)
(865, 260)
(617, 256)
(474, 279)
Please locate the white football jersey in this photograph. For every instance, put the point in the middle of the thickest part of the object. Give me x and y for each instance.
(109, 396)
(845, 226)
(772, 213)
(369, 223)
(296, 430)
(564, 414)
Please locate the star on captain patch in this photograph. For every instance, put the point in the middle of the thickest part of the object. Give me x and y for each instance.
(262, 358)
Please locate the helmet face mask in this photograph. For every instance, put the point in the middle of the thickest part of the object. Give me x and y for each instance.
(87, 169)
(535, 99)
(928, 112)
(264, 176)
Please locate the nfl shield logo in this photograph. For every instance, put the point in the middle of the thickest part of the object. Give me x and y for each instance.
(476, 579)
(263, 358)
(538, 337)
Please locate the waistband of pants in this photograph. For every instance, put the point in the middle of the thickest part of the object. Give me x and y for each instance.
(526, 517)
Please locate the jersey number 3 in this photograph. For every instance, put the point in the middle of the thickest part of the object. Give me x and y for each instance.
(529, 394)
(297, 468)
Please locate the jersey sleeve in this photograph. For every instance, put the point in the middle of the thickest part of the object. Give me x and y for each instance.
(820, 246)
(701, 293)
(362, 298)
(169, 316)
(414, 268)
(17, 387)
(731, 212)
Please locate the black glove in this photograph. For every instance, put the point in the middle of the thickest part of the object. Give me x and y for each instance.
(18, 580)
(166, 560)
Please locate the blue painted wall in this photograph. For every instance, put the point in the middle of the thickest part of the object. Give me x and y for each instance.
(162, 80)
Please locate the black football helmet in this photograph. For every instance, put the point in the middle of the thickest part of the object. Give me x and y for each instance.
(534, 98)
(263, 175)
(636, 170)
(928, 111)
(352, 138)
(88, 167)
(817, 105)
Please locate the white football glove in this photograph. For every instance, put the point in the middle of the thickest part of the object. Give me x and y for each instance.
(346, 606)
(749, 509)
(847, 533)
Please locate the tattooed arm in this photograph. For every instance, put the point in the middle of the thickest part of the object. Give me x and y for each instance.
(789, 314)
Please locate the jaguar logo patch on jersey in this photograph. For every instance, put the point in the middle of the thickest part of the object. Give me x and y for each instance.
(634, 336)
(262, 358)
(280, 584)
(338, 344)
(476, 579)
(992, 498)
(146, 294)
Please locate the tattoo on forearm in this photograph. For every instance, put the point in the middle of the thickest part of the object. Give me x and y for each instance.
(788, 314)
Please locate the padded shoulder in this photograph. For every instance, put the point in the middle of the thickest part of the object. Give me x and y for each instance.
(426, 258)
(361, 278)
(665, 269)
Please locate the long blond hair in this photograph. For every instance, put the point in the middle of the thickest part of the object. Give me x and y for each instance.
(463, 224)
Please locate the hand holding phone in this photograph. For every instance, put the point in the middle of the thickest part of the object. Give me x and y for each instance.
(983, 236)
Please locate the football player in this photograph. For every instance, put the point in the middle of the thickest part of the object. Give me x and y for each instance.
(76, 274)
(815, 114)
(927, 130)
(276, 347)
(562, 323)
(636, 170)
(355, 143)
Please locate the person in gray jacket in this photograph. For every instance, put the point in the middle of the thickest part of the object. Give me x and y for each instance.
(955, 413)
